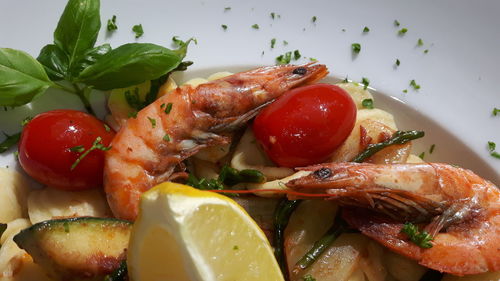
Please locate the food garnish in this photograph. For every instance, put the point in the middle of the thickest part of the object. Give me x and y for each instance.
(402, 31)
(273, 42)
(112, 24)
(367, 103)
(9, 141)
(255, 26)
(491, 149)
(365, 81)
(308, 277)
(420, 238)
(495, 111)
(396, 23)
(356, 48)
(314, 19)
(414, 85)
(281, 218)
(224, 26)
(420, 42)
(398, 62)
(137, 29)
(366, 29)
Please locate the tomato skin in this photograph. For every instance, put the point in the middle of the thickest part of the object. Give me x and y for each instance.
(305, 125)
(45, 149)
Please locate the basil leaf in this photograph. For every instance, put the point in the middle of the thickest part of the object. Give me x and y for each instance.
(55, 62)
(90, 57)
(130, 64)
(78, 28)
(21, 78)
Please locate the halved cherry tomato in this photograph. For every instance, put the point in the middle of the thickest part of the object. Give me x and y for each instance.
(305, 125)
(52, 142)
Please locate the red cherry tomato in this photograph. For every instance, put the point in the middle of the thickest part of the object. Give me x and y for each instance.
(305, 125)
(52, 142)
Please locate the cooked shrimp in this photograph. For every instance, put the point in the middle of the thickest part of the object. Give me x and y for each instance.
(461, 210)
(148, 148)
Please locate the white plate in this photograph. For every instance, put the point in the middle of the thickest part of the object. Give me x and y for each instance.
(458, 76)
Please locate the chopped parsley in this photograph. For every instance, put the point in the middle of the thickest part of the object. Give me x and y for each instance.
(166, 137)
(273, 42)
(346, 80)
(398, 62)
(365, 81)
(235, 247)
(285, 42)
(431, 150)
(224, 26)
(402, 31)
(367, 103)
(422, 155)
(168, 108)
(66, 227)
(356, 48)
(308, 277)
(343, 30)
(137, 29)
(405, 91)
(313, 59)
(421, 239)
(227, 9)
(426, 51)
(153, 122)
(495, 111)
(420, 42)
(107, 128)
(112, 24)
(285, 58)
(255, 26)
(95, 145)
(366, 29)
(273, 15)
(133, 99)
(132, 114)
(296, 55)
(314, 19)
(414, 85)
(227, 177)
(396, 23)
(491, 149)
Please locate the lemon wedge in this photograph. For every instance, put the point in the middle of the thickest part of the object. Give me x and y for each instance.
(183, 233)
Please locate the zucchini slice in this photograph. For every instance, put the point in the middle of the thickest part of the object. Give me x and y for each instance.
(84, 248)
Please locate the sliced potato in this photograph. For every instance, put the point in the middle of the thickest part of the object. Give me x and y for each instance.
(14, 189)
(219, 75)
(248, 155)
(357, 92)
(357, 275)
(414, 159)
(49, 203)
(12, 258)
(195, 82)
(167, 87)
(372, 263)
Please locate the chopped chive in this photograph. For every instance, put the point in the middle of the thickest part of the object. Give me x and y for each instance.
(227, 9)
(255, 26)
(153, 122)
(367, 103)
(169, 108)
(356, 47)
(366, 29)
(224, 26)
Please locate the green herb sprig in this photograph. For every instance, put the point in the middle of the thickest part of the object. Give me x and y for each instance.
(112, 24)
(228, 176)
(421, 239)
(95, 145)
(138, 30)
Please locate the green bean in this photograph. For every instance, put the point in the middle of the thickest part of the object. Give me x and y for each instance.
(281, 217)
(399, 137)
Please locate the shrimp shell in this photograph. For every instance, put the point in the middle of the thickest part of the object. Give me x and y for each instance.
(458, 208)
(148, 148)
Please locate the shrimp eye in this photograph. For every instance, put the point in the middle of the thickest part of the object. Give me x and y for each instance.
(300, 71)
(323, 173)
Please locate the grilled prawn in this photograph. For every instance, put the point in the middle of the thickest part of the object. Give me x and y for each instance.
(147, 150)
(458, 208)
